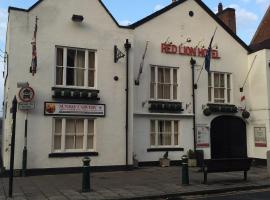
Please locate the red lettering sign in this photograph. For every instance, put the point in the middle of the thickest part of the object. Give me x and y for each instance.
(187, 51)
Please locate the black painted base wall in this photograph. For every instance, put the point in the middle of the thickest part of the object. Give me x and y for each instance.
(71, 170)
(259, 162)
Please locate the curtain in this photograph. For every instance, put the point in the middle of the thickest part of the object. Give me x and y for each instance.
(80, 67)
(59, 66)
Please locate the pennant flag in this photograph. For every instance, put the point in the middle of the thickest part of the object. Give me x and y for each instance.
(137, 81)
(209, 54)
(33, 68)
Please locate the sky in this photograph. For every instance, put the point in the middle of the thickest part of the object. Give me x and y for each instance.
(248, 12)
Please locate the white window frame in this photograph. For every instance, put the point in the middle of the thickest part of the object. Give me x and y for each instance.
(87, 51)
(172, 84)
(63, 135)
(213, 100)
(157, 133)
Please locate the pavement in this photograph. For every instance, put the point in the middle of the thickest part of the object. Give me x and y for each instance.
(142, 183)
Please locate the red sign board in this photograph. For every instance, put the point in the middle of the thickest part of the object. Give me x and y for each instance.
(187, 51)
(26, 94)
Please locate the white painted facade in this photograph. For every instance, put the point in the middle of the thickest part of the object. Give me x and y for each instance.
(99, 32)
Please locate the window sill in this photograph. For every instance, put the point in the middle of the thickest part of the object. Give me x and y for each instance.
(72, 154)
(80, 88)
(165, 149)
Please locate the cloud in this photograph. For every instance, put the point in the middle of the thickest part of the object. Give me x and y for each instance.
(263, 2)
(158, 7)
(243, 16)
(3, 24)
(125, 22)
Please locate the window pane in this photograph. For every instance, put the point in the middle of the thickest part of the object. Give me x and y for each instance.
(152, 90)
(160, 75)
(71, 58)
(175, 76)
(70, 76)
(80, 59)
(175, 126)
(176, 133)
(59, 75)
(168, 127)
(59, 57)
(58, 126)
(153, 126)
(222, 91)
(69, 142)
(229, 96)
(216, 93)
(90, 142)
(153, 74)
(176, 139)
(79, 77)
(79, 142)
(167, 76)
(222, 80)
(167, 91)
(160, 91)
(216, 80)
(70, 126)
(57, 142)
(209, 94)
(90, 126)
(91, 78)
(175, 92)
(209, 80)
(228, 81)
(91, 60)
(79, 126)
(90, 136)
(161, 131)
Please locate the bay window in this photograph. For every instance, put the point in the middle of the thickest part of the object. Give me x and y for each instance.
(75, 67)
(163, 84)
(164, 133)
(73, 134)
(219, 87)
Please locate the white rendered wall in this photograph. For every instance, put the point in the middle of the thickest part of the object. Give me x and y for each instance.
(177, 25)
(55, 27)
(258, 101)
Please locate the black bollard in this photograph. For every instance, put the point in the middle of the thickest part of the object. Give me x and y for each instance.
(86, 175)
(185, 175)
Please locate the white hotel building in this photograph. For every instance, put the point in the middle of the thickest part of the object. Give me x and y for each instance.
(82, 107)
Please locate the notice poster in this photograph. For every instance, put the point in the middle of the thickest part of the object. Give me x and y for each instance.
(71, 109)
(203, 136)
(260, 136)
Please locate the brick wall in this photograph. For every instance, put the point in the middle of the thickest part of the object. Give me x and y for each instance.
(228, 17)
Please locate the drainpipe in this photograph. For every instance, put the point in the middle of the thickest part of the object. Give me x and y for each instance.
(194, 86)
(127, 48)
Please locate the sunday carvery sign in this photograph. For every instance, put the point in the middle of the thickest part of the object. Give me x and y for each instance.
(54, 108)
(187, 51)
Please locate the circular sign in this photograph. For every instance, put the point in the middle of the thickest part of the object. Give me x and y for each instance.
(26, 94)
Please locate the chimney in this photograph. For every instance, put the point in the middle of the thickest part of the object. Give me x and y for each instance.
(173, 1)
(227, 16)
(220, 7)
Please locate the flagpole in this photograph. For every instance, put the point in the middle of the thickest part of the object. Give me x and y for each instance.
(252, 65)
(209, 51)
(193, 63)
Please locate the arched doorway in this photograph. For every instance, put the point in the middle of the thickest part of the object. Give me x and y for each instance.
(228, 137)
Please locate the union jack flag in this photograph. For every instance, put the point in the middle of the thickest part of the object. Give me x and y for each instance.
(33, 68)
